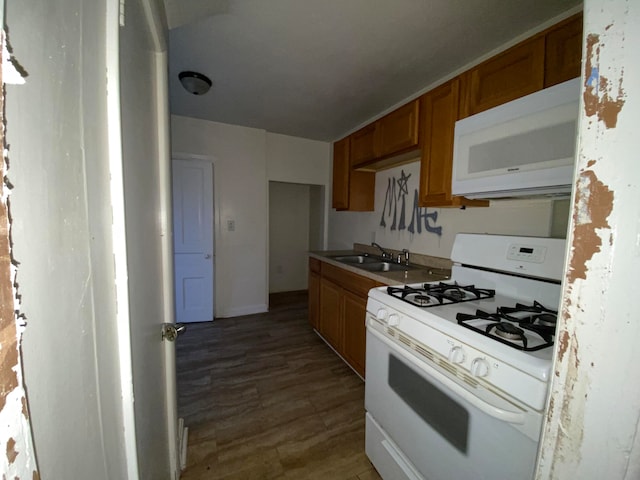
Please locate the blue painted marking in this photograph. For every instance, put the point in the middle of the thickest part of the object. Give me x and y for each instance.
(594, 77)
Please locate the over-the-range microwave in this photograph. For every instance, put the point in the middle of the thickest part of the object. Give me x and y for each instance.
(524, 147)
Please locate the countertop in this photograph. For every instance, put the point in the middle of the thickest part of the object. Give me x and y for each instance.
(423, 267)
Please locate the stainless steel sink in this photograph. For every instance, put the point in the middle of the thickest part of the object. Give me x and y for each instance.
(385, 267)
(371, 263)
(356, 259)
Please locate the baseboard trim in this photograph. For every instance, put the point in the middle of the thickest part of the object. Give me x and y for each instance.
(183, 440)
(246, 310)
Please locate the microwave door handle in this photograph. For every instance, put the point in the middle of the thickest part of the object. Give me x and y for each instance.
(494, 411)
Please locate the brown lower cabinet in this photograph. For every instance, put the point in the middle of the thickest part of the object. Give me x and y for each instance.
(331, 317)
(337, 310)
(354, 311)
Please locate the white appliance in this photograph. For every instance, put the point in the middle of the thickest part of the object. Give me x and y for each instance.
(524, 147)
(458, 372)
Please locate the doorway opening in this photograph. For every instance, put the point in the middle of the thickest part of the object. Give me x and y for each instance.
(296, 226)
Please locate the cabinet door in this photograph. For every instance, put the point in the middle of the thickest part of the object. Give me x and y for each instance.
(439, 115)
(354, 310)
(341, 170)
(439, 119)
(351, 190)
(512, 74)
(363, 145)
(314, 300)
(563, 51)
(398, 131)
(331, 314)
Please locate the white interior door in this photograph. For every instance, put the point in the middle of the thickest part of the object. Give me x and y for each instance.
(142, 104)
(194, 257)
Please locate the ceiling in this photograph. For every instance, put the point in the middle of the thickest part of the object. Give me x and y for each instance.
(319, 69)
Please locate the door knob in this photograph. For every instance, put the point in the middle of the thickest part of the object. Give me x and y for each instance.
(170, 331)
(207, 256)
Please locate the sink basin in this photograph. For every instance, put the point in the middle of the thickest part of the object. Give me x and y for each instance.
(356, 259)
(385, 267)
(371, 263)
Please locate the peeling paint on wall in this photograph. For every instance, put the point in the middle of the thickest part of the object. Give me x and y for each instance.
(601, 97)
(591, 428)
(593, 204)
(15, 439)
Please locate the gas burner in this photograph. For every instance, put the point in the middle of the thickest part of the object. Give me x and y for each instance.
(433, 294)
(547, 319)
(422, 300)
(534, 317)
(455, 294)
(520, 327)
(506, 330)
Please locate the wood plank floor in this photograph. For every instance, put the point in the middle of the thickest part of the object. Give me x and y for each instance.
(265, 398)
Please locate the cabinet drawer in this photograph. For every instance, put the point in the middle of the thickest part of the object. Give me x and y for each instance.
(348, 280)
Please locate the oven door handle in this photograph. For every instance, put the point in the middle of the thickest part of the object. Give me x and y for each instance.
(492, 410)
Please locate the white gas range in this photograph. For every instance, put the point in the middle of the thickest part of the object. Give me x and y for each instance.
(458, 372)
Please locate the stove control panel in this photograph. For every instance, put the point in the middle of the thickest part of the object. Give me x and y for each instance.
(527, 253)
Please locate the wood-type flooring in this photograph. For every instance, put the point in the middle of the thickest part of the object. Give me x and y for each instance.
(265, 398)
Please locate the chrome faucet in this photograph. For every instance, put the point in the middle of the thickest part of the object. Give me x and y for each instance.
(406, 256)
(385, 255)
(403, 257)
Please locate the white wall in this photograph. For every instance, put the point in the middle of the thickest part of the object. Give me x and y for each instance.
(240, 194)
(298, 160)
(301, 163)
(56, 126)
(508, 217)
(289, 218)
(317, 217)
(245, 159)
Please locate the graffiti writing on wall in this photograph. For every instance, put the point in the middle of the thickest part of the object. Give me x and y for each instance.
(394, 209)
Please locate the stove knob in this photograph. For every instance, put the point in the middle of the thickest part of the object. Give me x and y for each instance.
(456, 355)
(479, 367)
(382, 314)
(393, 320)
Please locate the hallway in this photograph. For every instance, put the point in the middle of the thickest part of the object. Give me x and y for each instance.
(265, 398)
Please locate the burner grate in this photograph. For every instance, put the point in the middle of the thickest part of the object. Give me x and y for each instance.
(536, 318)
(436, 294)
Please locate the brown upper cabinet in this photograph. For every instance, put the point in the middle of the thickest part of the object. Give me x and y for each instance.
(512, 74)
(398, 131)
(425, 127)
(363, 145)
(563, 51)
(341, 169)
(388, 141)
(351, 190)
(439, 115)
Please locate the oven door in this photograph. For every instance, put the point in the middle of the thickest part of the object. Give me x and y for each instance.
(427, 425)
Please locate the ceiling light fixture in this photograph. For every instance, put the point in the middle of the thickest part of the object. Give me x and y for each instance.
(194, 82)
